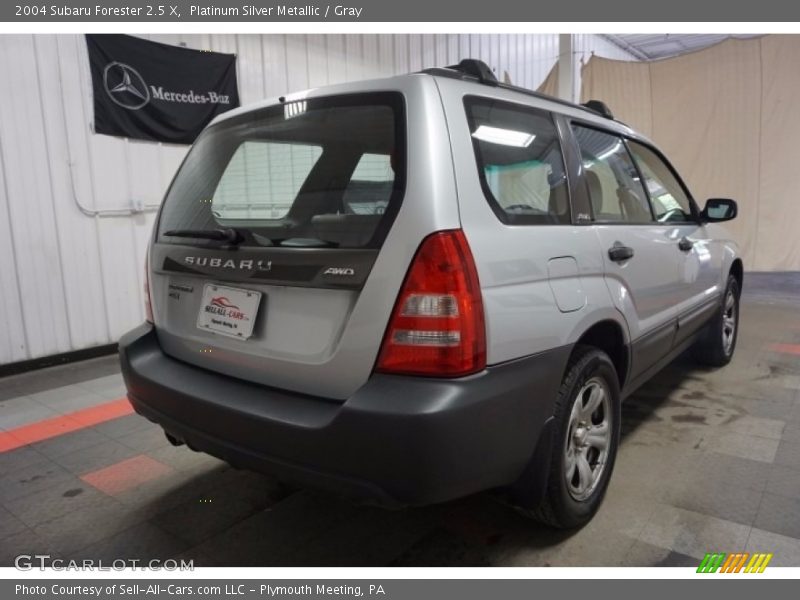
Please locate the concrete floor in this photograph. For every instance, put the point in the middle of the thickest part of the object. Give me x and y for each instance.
(709, 461)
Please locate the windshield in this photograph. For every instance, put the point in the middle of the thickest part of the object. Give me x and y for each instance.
(323, 172)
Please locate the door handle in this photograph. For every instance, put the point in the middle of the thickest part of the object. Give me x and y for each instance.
(685, 244)
(619, 252)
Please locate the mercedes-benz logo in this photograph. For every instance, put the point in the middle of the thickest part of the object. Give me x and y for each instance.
(125, 86)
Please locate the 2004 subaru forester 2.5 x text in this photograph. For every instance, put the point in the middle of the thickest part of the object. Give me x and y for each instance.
(417, 288)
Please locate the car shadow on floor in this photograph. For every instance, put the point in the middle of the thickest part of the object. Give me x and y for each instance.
(643, 404)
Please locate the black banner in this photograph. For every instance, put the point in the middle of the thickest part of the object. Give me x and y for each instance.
(153, 91)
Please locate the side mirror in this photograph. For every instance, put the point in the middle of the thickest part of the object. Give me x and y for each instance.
(719, 209)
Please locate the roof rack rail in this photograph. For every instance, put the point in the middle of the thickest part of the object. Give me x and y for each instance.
(599, 107)
(477, 69)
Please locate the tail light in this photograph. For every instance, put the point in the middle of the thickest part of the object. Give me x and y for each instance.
(148, 303)
(437, 325)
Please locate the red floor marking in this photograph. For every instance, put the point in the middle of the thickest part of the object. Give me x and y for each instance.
(785, 348)
(127, 474)
(55, 426)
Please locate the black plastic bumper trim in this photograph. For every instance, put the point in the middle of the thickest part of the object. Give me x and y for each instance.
(397, 440)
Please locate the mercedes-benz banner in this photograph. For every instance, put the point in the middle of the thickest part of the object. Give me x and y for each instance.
(153, 91)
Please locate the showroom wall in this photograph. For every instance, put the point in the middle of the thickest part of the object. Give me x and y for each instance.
(71, 277)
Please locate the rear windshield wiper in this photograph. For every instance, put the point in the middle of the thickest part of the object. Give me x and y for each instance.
(229, 235)
(308, 243)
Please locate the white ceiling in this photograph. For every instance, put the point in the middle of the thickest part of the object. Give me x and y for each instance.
(655, 46)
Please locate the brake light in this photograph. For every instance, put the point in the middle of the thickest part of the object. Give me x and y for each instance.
(437, 326)
(148, 303)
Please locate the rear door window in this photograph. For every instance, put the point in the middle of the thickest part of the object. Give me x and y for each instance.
(323, 172)
(520, 163)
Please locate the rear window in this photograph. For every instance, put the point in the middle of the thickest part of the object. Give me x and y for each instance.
(519, 161)
(326, 172)
(262, 180)
(370, 187)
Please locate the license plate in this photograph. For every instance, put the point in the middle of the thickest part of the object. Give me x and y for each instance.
(228, 311)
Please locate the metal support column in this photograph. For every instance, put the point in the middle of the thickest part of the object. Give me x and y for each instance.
(566, 67)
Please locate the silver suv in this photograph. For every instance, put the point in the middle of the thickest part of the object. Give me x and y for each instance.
(416, 288)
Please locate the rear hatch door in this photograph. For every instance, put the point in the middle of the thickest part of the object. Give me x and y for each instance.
(269, 234)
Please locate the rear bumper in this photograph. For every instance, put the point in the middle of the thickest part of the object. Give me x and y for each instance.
(397, 441)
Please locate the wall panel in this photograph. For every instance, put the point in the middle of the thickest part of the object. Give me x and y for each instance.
(28, 185)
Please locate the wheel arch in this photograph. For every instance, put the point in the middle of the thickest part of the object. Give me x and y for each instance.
(737, 270)
(608, 335)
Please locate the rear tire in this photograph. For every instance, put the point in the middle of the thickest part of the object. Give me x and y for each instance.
(716, 346)
(584, 444)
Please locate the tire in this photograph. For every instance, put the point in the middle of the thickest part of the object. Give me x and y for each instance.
(572, 495)
(716, 346)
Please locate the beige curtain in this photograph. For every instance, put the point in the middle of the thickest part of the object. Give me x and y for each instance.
(728, 117)
(550, 84)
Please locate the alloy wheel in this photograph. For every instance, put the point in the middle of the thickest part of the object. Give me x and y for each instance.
(588, 439)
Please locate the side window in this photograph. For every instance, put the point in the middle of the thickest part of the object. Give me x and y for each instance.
(669, 199)
(262, 180)
(370, 186)
(613, 183)
(519, 162)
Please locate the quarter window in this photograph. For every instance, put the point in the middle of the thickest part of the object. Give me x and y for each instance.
(520, 163)
(670, 201)
(613, 183)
